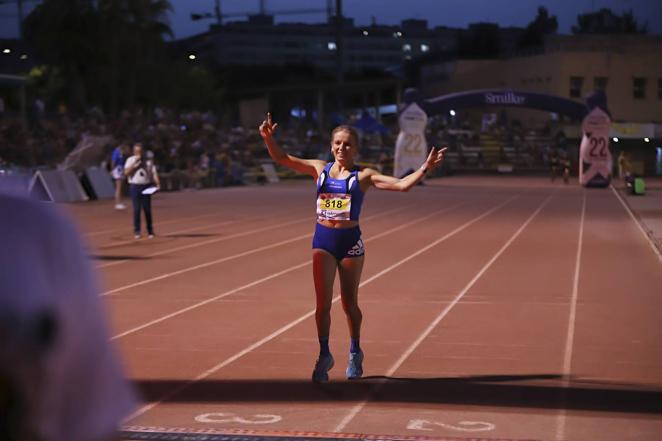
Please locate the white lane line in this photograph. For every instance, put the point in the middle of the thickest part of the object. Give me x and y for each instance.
(232, 257)
(357, 408)
(649, 239)
(210, 241)
(272, 276)
(570, 336)
(292, 324)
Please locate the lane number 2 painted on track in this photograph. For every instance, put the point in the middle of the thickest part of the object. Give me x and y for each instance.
(462, 426)
(229, 417)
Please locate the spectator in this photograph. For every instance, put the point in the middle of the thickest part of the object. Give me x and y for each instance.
(117, 172)
(623, 165)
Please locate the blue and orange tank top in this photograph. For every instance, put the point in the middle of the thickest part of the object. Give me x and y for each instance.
(339, 199)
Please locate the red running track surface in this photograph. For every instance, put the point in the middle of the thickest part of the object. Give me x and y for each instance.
(508, 308)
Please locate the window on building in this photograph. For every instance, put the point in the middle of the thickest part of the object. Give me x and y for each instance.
(659, 88)
(600, 83)
(638, 88)
(576, 87)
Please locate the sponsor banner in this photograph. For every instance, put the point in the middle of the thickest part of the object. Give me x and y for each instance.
(595, 159)
(632, 130)
(510, 98)
(411, 148)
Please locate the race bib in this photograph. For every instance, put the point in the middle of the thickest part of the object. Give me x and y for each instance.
(334, 206)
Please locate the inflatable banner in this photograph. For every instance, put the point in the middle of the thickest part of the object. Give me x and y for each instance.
(411, 148)
(595, 158)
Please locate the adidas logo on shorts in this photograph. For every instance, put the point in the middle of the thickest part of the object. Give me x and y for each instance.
(357, 249)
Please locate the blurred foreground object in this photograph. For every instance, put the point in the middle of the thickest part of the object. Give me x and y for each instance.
(60, 379)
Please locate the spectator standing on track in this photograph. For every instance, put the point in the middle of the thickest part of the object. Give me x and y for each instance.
(337, 243)
(117, 171)
(564, 163)
(60, 378)
(623, 165)
(142, 174)
(553, 164)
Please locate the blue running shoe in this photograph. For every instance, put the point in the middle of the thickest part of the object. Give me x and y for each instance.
(322, 368)
(355, 365)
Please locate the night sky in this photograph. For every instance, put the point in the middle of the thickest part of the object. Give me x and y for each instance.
(452, 13)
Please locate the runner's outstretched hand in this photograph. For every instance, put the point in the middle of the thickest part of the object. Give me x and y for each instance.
(435, 158)
(267, 127)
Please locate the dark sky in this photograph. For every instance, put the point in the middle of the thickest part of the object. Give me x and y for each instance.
(453, 13)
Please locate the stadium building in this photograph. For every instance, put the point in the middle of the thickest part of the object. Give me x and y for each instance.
(627, 67)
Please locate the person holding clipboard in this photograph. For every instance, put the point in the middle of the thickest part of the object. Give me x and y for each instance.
(143, 182)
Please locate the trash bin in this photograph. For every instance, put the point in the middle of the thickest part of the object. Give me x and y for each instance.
(638, 186)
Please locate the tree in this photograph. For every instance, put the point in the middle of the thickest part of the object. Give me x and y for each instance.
(134, 32)
(605, 21)
(112, 54)
(481, 40)
(534, 34)
(64, 34)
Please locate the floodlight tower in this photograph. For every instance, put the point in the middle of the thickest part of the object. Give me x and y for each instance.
(339, 44)
(19, 4)
(19, 7)
(217, 12)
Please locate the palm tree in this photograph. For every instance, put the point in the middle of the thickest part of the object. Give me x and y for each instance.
(64, 34)
(101, 50)
(146, 24)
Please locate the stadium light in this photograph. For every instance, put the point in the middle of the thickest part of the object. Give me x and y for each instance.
(365, 33)
(425, 48)
(615, 139)
(647, 140)
(331, 45)
(452, 112)
(24, 57)
(192, 57)
(7, 51)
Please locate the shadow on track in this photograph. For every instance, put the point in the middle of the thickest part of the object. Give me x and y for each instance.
(542, 391)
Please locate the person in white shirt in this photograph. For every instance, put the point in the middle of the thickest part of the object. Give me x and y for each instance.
(142, 174)
(117, 173)
(60, 377)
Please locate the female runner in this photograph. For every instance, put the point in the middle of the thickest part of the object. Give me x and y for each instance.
(337, 244)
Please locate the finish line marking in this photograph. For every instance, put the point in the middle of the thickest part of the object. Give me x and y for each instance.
(189, 434)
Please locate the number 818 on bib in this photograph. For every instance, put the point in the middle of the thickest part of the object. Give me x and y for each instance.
(334, 206)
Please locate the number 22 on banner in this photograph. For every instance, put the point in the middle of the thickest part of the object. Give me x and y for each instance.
(598, 147)
(412, 142)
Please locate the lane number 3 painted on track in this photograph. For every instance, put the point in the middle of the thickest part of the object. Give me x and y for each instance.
(229, 417)
(462, 426)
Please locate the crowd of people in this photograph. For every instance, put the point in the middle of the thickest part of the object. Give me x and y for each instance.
(193, 149)
(201, 149)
